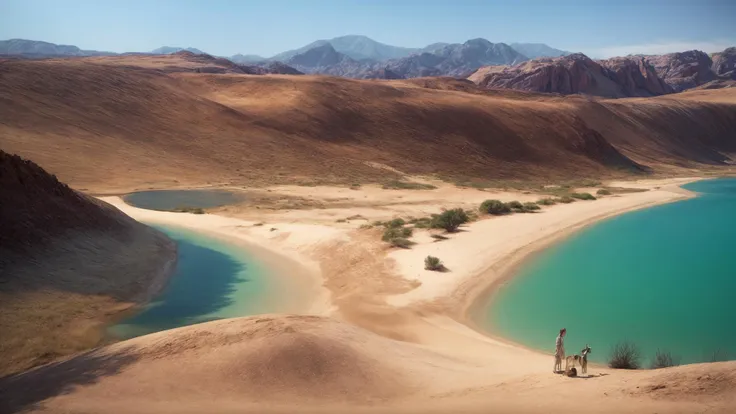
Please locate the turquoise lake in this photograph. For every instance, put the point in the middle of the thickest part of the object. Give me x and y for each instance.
(213, 280)
(661, 278)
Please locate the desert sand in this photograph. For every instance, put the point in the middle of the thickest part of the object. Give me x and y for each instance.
(382, 335)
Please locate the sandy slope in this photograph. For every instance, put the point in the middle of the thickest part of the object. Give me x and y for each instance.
(122, 123)
(390, 341)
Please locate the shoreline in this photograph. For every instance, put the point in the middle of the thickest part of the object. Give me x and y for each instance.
(480, 295)
(288, 266)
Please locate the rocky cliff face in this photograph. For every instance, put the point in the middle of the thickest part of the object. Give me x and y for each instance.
(618, 77)
(724, 63)
(684, 70)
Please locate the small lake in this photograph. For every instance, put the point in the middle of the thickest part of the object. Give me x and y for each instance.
(213, 280)
(661, 278)
(168, 200)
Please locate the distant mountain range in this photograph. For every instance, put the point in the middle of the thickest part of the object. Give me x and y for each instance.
(525, 66)
(38, 49)
(615, 77)
(167, 50)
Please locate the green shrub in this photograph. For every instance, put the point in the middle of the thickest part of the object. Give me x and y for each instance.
(624, 355)
(515, 205)
(529, 207)
(400, 242)
(603, 191)
(663, 359)
(433, 263)
(565, 200)
(582, 196)
(450, 220)
(546, 202)
(495, 207)
(404, 185)
(397, 222)
(396, 232)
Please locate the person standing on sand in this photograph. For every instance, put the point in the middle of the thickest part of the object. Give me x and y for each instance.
(559, 350)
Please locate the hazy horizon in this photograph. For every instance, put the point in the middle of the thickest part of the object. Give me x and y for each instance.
(225, 28)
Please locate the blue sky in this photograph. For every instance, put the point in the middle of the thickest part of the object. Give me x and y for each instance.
(600, 28)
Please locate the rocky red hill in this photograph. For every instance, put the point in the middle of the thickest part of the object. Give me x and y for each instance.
(576, 73)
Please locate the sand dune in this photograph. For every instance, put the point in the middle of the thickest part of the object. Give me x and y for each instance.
(129, 120)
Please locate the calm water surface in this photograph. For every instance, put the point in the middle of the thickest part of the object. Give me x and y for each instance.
(213, 280)
(173, 199)
(662, 278)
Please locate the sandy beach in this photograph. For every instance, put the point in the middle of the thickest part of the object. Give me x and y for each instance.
(385, 335)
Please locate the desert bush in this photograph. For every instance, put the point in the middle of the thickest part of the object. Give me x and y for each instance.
(397, 222)
(495, 207)
(421, 223)
(603, 191)
(404, 185)
(365, 226)
(663, 359)
(565, 200)
(515, 205)
(582, 196)
(396, 232)
(624, 355)
(450, 220)
(355, 217)
(719, 355)
(433, 263)
(546, 202)
(341, 221)
(528, 207)
(400, 242)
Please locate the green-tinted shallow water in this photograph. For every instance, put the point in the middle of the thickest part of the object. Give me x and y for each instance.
(664, 277)
(172, 199)
(212, 280)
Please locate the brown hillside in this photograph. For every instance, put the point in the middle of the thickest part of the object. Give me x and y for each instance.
(114, 123)
(67, 263)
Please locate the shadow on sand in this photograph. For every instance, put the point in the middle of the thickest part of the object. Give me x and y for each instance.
(25, 391)
(202, 284)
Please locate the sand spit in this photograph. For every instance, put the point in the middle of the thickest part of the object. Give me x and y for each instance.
(392, 340)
